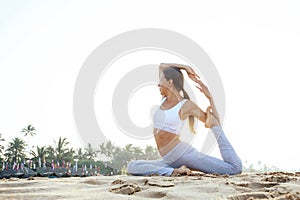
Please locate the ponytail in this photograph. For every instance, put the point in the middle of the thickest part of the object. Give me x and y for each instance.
(176, 75)
(191, 118)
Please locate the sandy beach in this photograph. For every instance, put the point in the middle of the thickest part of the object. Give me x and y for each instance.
(271, 185)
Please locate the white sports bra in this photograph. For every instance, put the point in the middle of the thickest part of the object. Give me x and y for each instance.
(169, 120)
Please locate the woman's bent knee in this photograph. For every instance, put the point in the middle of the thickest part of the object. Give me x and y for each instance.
(238, 169)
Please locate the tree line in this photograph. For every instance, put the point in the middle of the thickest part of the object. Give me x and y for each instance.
(107, 155)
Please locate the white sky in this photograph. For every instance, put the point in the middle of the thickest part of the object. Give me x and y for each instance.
(255, 46)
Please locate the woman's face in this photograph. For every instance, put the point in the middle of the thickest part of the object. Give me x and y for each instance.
(163, 85)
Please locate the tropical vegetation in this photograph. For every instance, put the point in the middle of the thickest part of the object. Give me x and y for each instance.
(112, 159)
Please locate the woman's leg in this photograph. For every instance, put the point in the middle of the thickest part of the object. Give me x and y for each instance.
(149, 167)
(227, 152)
(193, 159)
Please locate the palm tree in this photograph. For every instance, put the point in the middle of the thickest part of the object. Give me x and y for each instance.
(138, 152)
(68, 156)
(50, 152)
(90, 153)
(39, 156)
(259, 165)
(1, 148)
(29, 130)
(40, 153)
(16, 150)
(118, 158)
(80, 154)
(107, 149)
(61, 148)
(128, 148)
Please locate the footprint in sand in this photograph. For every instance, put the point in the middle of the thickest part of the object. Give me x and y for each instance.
(251, 190)
(253, 185)
(279, 179)
(159, 183)
(124, 187)
(251, 195)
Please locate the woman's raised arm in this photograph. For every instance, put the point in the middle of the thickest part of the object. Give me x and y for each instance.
(189, 70)
(203, 88)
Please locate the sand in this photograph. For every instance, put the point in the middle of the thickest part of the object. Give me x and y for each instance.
(275, 185)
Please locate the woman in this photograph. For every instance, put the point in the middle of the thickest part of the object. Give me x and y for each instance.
(180, 157)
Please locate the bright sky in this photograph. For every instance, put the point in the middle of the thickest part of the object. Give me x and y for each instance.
(255, 46)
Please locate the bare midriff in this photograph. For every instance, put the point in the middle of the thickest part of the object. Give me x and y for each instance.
(165, 141)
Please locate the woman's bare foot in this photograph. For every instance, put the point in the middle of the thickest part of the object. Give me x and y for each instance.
(211, 119)
(183, 170)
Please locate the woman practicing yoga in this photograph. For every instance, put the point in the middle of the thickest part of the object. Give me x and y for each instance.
(179, 157)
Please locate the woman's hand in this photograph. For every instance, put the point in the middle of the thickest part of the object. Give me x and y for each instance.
(203, 88)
